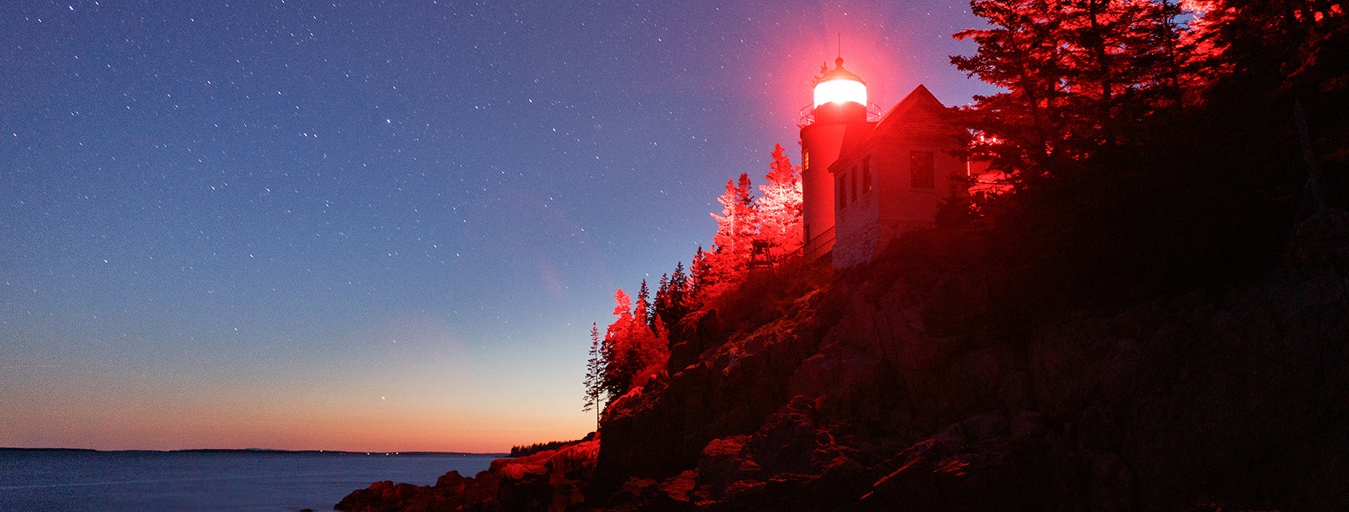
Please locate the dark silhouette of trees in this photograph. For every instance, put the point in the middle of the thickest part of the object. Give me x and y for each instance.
(1149, 152)
(527, 450)
(1082, 79)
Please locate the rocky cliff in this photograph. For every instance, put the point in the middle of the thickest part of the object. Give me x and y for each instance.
(875, 392)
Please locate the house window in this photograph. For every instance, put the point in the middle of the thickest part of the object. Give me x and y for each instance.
(805, 160)
(920, 169)
(866, 175)
(852, 184)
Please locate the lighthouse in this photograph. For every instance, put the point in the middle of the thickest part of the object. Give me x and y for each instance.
(867, 179)
(838, 114)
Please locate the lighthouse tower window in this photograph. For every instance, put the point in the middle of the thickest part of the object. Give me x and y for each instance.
(920, 169)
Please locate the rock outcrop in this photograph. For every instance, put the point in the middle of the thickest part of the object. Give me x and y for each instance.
(554, 480)
(861, 398)
(1233, 398)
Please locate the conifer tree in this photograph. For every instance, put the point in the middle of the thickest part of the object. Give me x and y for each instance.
(779, 205)
(661, 305)
(1080, 78)
(1148, 143)
(594, 378)
(701, 279)
(737, 226)
(644, 304)
(678, 296)
(633, 350)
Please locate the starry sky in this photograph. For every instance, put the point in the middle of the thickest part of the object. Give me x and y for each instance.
(378, 226)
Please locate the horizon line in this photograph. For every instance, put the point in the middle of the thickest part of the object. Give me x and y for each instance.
(260, 450)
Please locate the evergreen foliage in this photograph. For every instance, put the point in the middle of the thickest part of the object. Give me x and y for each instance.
(632, 350)
(737, 226)
(1147, 155)
(779, 204)
(594, 378)
(527, 450)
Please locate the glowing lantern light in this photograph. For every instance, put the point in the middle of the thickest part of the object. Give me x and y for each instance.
(840, 86)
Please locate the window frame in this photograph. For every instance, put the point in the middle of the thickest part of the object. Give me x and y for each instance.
(918, 179)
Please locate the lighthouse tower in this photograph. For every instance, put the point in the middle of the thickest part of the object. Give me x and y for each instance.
(839, 114)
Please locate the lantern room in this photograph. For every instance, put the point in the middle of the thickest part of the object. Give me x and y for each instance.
(839, 85)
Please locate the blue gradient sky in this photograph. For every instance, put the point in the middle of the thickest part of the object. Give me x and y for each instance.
(377, 226)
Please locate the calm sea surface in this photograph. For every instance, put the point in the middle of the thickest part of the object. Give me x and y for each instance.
(72, 480)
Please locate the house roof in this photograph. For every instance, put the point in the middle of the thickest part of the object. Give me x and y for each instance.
(920, 100)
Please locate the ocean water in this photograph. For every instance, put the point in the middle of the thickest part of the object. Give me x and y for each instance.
(61, 480)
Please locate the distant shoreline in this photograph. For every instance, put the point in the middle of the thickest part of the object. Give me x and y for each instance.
(265, 451)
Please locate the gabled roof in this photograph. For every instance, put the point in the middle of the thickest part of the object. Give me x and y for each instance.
(920, 100)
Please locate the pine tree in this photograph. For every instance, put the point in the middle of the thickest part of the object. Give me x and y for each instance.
(1150, 150)
(632, 350)
(617, 373)
(661, 306)
(678, 296)
(1019, 53)
(701, 279)
(737, 226)
(594, 378)
(779, 205)
(644, 311)
(1081, 78)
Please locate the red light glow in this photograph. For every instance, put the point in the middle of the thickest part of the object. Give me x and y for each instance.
(841, 90)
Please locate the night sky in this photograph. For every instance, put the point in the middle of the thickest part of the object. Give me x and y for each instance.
(378, 226)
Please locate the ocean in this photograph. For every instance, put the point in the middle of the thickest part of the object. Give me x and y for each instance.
(71, 480)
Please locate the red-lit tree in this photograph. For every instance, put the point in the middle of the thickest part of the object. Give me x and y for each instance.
(632, 349)
(737, 226)
(701, 279)
(779, 203)
(1082, 77)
